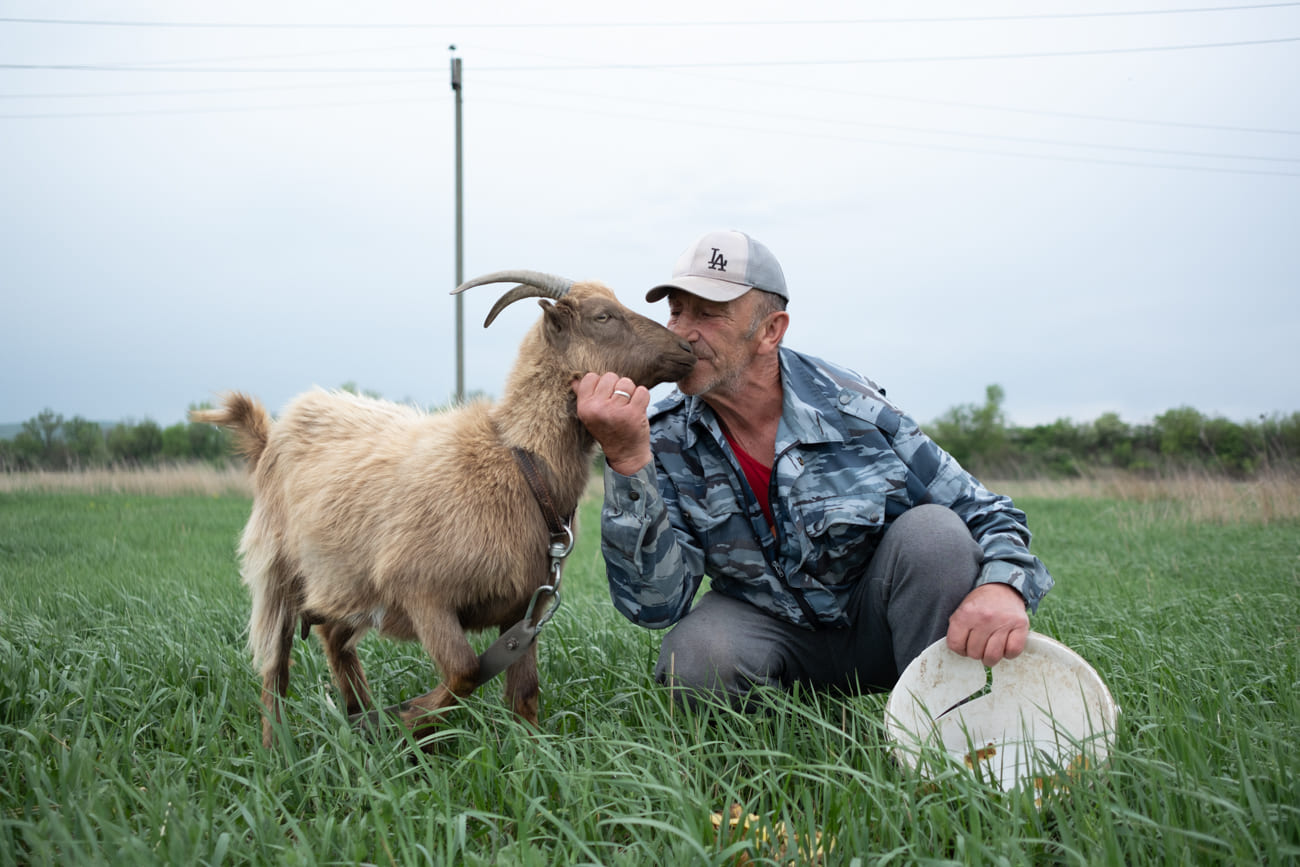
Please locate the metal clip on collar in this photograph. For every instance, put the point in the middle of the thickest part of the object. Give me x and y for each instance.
(516, 640)
(561, 547)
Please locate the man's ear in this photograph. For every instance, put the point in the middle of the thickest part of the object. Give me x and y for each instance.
(557, 323)
(774, 329)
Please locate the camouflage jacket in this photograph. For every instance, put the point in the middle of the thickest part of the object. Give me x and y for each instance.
(847, 464)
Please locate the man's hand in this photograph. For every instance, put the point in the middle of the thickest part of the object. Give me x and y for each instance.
(990, 624)
(614, 410)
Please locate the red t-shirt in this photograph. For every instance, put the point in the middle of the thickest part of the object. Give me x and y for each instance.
(758, 476)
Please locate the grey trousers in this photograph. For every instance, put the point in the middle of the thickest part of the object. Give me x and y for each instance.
(926, 564)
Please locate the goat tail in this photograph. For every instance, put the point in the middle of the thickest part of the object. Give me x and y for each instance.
(246, 417)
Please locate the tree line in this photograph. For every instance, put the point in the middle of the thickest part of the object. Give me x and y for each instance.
(49, 441)
(1178, 440)
(977, 435)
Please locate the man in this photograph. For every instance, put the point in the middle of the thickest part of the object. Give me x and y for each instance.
(839, 539)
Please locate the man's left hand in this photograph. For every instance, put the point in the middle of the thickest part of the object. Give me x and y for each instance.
(990, 624)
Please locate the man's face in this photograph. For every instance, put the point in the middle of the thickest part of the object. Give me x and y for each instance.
(722, 336)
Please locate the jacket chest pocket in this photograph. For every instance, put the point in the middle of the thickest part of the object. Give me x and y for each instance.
(722, 529)
(709, 509)
(840, 534)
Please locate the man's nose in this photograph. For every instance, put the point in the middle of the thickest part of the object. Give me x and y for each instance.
(684, 327)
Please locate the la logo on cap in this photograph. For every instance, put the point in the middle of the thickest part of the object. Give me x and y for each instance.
(704, 270)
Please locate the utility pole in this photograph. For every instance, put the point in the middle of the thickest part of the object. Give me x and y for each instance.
(460, 240)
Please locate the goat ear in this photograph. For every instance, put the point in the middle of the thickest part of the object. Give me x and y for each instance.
(558, 323)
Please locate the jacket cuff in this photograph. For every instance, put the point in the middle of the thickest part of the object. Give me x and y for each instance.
(1002, 572)
(629, 495)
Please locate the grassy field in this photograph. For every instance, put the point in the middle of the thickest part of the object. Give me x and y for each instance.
(130, 729)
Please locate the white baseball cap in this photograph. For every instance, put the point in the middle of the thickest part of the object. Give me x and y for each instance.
(722, 266)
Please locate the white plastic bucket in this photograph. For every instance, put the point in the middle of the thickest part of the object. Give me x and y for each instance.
(1045, 712)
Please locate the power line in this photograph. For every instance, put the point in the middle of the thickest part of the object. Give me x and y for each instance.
(953, 148)
(945, 19)
(1046, 112)
(607, 67)
(679, 105)
(171, 64)
(714, 109)
(1019, 55)
(203, 91)
(833, 90)
(783, 130)
(802, 87)
(234, 109)
(405, 81)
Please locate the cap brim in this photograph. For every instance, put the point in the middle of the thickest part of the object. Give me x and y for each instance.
(705, 287)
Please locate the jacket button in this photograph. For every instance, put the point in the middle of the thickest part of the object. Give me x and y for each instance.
(633, 496)
(845, 397)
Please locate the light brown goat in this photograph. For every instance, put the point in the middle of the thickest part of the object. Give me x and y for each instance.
(368, 514)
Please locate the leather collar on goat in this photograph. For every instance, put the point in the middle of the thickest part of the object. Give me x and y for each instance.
(528, 465)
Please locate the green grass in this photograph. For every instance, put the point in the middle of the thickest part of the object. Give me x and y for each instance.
(130, 728)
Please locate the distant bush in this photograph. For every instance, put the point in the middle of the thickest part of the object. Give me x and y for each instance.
(50, 442)
(1176, 441)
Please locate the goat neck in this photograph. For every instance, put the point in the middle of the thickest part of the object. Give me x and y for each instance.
(537, 414)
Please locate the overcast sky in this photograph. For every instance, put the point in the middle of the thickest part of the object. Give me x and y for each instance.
(1094, 204)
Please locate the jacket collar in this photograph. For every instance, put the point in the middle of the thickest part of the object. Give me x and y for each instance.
(810, 413)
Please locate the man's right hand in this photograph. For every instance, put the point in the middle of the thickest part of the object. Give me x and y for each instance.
(614, 410)
(990, 624)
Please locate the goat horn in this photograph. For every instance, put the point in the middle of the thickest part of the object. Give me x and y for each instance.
(532, 284)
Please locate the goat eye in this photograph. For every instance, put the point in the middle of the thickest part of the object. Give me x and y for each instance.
(602, 317)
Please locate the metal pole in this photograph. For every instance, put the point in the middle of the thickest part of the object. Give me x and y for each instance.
(460, 241)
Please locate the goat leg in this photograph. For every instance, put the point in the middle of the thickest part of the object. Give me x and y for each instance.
(521, 693)
(275, 681)
(340, 643)
(443, 638)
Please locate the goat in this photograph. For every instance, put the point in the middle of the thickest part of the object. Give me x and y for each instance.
(368, 514)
